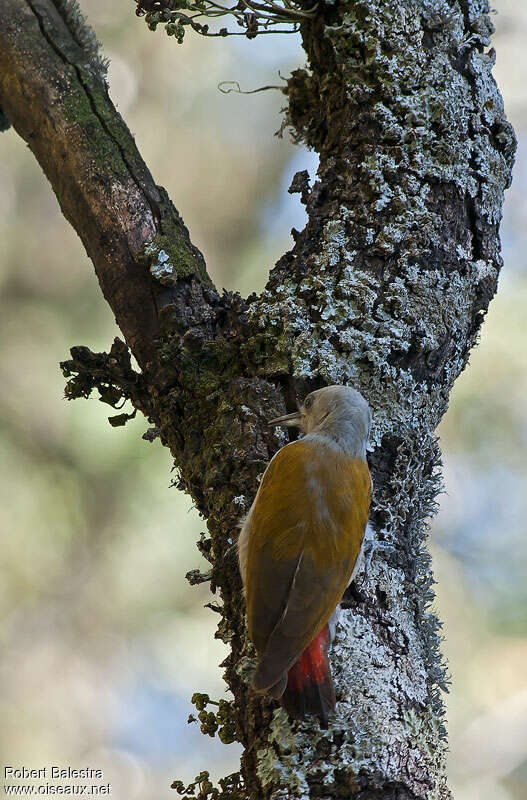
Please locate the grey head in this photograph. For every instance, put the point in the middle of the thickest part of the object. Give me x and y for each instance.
(339, 413)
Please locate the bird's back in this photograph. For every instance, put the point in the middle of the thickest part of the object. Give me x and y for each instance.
(302, 538)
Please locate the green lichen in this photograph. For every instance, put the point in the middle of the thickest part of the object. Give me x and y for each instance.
(245, 668)
(280, 763)
(268, 767)
(171, 257)
(281, 732)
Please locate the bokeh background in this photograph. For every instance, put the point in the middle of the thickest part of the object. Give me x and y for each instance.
(102, 639)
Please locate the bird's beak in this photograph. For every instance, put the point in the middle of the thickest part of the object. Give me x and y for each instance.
(291, 420)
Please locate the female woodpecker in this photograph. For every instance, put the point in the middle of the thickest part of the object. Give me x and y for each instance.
(300, 544)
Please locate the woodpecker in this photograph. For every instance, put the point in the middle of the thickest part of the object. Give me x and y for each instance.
(300, 546)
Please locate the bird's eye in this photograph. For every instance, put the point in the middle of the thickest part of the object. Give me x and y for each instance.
(308, 402)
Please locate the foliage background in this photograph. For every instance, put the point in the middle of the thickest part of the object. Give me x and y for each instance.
(102, 639)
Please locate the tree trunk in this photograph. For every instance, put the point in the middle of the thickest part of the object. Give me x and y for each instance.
(385, 289)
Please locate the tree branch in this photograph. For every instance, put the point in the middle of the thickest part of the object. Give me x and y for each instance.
(57, 101)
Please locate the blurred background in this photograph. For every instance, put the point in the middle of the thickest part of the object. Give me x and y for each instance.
(103, 641)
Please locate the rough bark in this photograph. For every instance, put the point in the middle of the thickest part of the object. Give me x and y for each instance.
(386, 289)
(54, 93)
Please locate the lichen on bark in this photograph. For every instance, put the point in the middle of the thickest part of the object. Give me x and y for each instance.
(386, 289)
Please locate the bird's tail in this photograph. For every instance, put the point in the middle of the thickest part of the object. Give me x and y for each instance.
(310, 688)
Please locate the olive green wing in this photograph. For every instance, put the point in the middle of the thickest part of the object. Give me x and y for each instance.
(307, 527)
